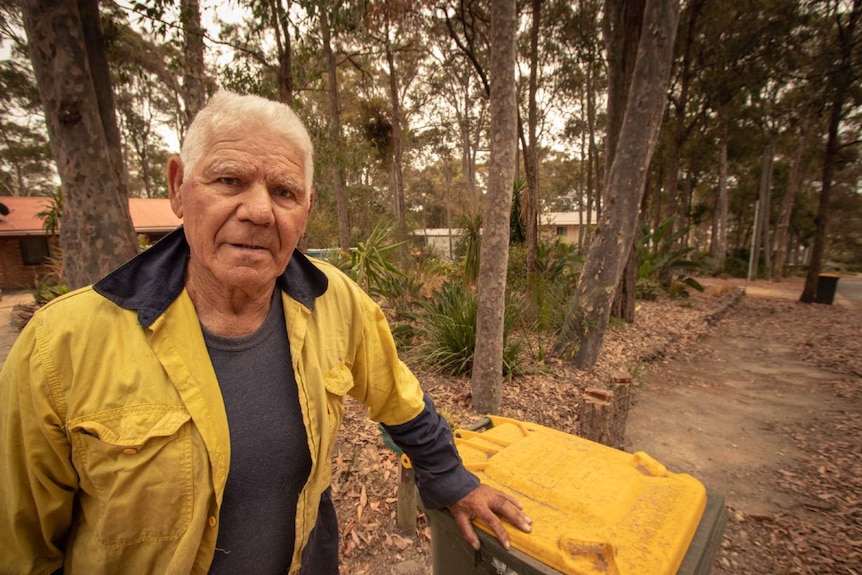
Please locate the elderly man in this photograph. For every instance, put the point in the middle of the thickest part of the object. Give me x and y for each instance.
(179, 415)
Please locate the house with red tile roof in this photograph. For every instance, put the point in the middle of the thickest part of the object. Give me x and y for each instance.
(26, 248)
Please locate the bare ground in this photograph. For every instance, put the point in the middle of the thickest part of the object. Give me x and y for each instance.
(758, 396)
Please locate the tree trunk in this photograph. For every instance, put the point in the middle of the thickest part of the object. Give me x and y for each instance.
(680, 131)
(594, 176)
(281, 27)
(765, 204)
(622, 24)
(194, 94)
(797, 174)
(335, 165)
(718, 246)
(842, 79)
(71, 73)
(488, 359)
(593, 203)
(760, 241)
(397, 146)
(589, 311)
(582, 186)
(468, 161)
(531, 153)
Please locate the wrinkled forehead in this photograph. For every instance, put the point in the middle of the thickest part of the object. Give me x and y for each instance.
(226, 134)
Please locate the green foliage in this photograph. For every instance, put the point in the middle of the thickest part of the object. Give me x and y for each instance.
(470, 244)
(447, 327)
(53, 213)
(48, 288)
(51, 285)
(648, 289)
(666, 263)
(371, 264)
(26, 165)
(558, 267)
(736, 263)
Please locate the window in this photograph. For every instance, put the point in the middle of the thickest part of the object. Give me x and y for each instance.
(561, 231)
(34, 250)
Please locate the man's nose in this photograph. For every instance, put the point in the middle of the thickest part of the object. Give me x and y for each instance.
(256, 205)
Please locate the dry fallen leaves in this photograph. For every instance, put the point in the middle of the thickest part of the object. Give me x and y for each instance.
(824, 535)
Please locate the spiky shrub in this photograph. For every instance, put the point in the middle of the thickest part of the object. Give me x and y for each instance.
(371, 264)
(662, 260)
(446, 327)
(470, 245)
(558, 267)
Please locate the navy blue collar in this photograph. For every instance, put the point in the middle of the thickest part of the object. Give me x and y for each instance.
(151, 281)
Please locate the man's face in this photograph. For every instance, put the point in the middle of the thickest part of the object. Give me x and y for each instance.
(244, 207)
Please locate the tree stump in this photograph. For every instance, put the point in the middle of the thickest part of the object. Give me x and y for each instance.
(622, 400)
(597, 412)
(604, 411)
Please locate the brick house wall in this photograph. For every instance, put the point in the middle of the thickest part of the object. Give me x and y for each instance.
(14, 273)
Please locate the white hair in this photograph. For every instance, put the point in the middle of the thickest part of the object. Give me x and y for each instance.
(227, 110)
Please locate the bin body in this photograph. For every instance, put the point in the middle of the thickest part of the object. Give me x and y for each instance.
(827, 284)
(595, 510)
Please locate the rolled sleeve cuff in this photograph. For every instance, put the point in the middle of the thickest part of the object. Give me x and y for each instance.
(427, 440)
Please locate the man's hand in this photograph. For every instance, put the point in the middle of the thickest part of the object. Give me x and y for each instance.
(489, 505)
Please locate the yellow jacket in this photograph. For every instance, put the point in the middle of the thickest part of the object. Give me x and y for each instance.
(114, 438)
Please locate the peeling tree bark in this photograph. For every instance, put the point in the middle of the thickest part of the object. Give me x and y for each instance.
(96, 232)
(589, 311)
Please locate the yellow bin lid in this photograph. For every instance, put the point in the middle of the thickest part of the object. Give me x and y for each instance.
(595, 509)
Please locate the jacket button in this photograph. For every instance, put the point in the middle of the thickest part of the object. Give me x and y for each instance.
(130, 451)
(212, 521)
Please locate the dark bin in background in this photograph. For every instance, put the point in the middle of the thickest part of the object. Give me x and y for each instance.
(595, 510)
(826, 286)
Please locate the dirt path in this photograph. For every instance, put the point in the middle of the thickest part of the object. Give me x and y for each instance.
(718, 415)
(765, 409)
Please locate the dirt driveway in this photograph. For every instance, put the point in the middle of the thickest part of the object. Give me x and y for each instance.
(766, 409)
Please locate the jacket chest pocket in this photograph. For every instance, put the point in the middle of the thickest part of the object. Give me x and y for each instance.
(135, 468)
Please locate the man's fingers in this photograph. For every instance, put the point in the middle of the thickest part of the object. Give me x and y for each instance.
(489, 506)
(496, 526)
(511, 510)
(466, 527)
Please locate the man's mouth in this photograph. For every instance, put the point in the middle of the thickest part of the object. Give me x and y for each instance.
(249, 247)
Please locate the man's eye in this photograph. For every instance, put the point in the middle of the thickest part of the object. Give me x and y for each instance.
(283, 192)
(229, 181)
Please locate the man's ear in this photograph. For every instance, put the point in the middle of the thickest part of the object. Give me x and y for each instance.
(310, 201)
(175, 183)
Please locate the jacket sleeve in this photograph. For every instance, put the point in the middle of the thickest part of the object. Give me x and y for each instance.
(394, 398)
(37, 480)
(427, 440)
